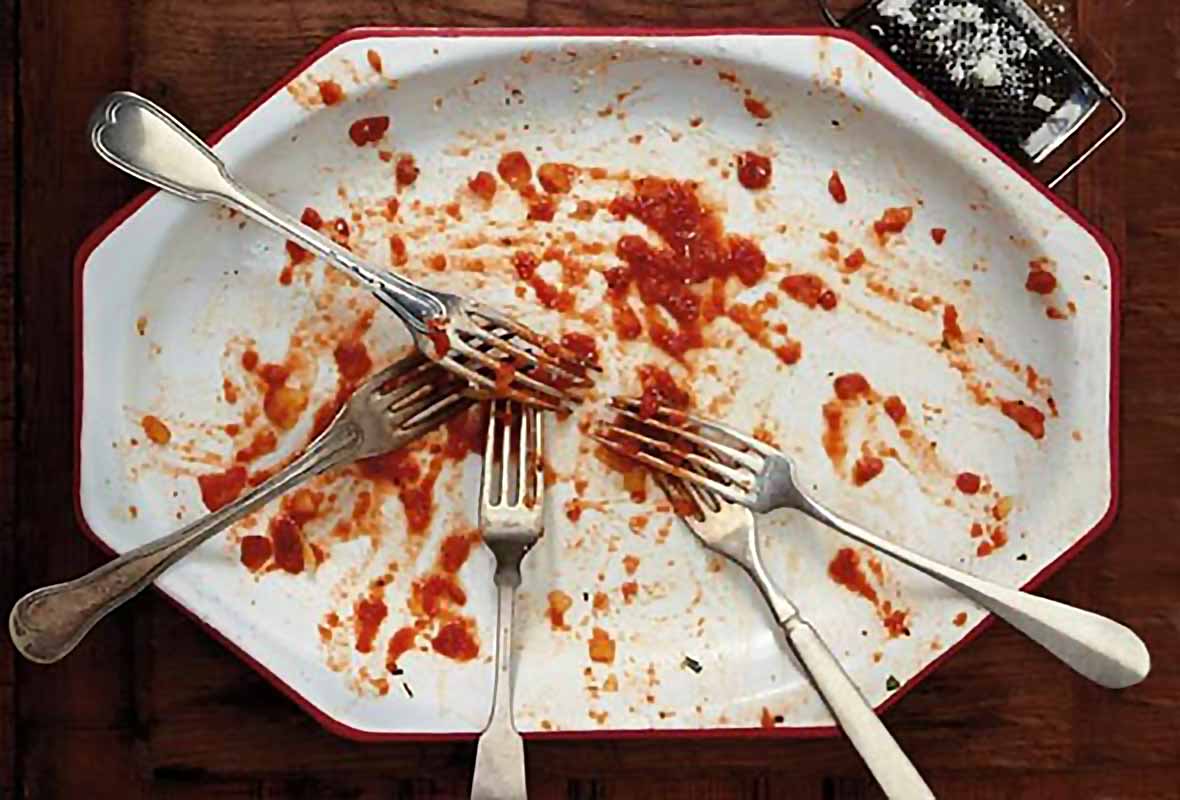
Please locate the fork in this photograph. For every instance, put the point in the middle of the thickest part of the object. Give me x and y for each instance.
(750, 472)
(511, 518)
(730, 529)
(490, 350)
(391, 409)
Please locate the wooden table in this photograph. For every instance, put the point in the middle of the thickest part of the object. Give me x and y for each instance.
(151, 706)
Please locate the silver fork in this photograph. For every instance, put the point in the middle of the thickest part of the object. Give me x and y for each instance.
(391, 409)
(744, 470)
(730, 529)
(490, 350)
(511, 518)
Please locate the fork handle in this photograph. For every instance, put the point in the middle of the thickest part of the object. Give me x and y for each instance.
(47, 623)
(1105, 651)
(499, 756)
(137, 136)
(892, 768)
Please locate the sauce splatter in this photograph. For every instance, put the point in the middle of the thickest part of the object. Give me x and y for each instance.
(757, 108)
(406, 171)
(1040, 280)
(368, 130)
(219, 489)
(810, 290)
(483, 185)
(836, 188)
(967, 482)
(155, 429)
(370, 613)
(753, 170)
(330, 92)
(938, 235)
(255, 552)
(559, 603)
(1029, 418)
(601, 647)
(556, 178)
(892, 221)
(514, 169)
(845, 570)
(866, 468)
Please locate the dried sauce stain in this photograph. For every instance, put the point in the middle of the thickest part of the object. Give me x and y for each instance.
(601, 647)
(368, 130)
(845, 570)
(559, 604)
(892, 221)
(414, 483)
(155, 429)
(331, 92)
(836, 188)
(960, 619)
(433, 602)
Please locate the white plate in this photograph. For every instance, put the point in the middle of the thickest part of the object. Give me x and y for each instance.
(204, 283)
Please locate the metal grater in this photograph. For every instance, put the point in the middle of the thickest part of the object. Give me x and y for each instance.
(997, 64)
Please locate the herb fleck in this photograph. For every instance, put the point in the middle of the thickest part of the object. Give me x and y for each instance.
(409, 691)
(892, 685)
(1022, 557)
(693, 664)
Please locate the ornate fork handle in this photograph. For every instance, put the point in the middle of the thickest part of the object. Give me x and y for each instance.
(499, 758)
(139, 137)
(46, 624)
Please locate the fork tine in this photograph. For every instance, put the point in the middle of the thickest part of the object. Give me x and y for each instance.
(522, 459)
(489, 454)
(707, 424)
(494, 363)
(743, 458)
(506, 346)
(434, 415)
(742, 479)
(489, 386)
(663, 466)
(543, 343)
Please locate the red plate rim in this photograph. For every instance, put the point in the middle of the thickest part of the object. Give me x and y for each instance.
(339, 728)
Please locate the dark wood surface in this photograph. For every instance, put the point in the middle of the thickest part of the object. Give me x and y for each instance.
(151, 706)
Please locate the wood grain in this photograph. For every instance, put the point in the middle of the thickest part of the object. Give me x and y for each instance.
(149, 706)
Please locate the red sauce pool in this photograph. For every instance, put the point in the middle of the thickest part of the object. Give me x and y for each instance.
(695, 250)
